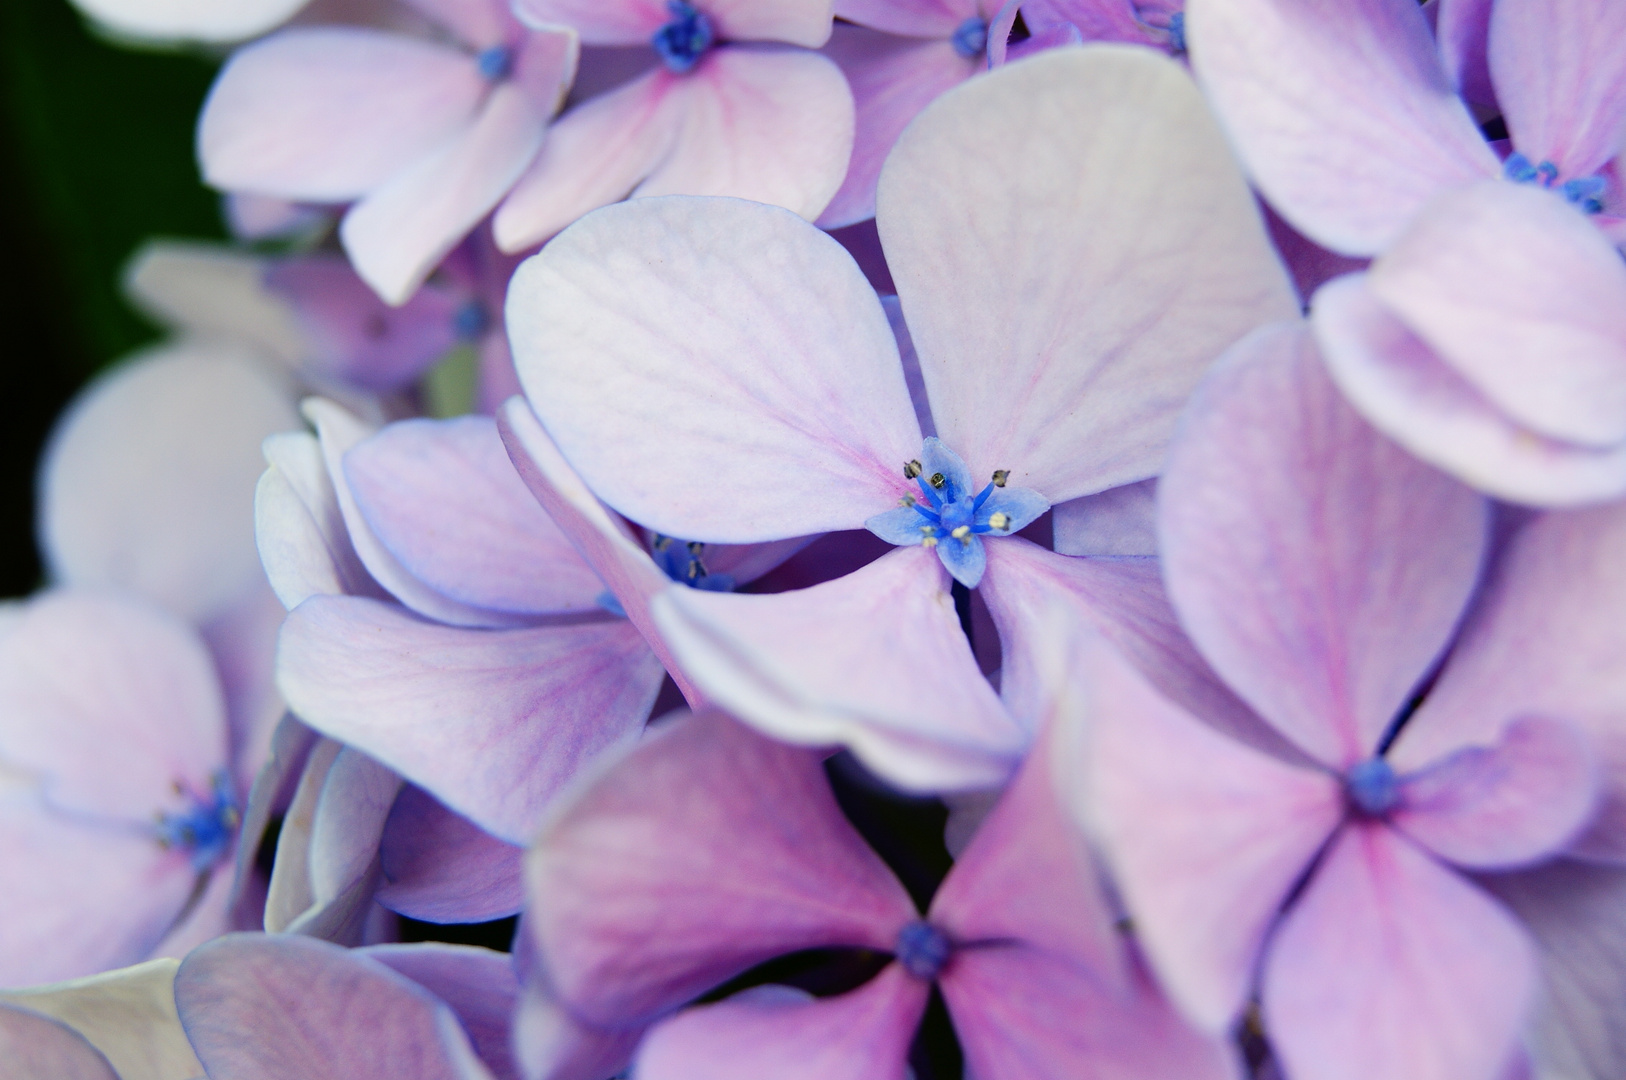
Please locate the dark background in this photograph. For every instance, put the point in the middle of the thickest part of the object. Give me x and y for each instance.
(95, 156)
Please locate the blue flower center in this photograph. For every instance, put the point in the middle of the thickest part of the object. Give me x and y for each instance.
(495, 63)
(681, 560)
(471, 320)
(205, 828)
(971, 37)
(1585, 193)
(1177, 33)
(1372, 787)
(683, 41)
(923, 949)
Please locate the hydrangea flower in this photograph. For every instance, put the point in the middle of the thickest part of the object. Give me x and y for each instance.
(1304, 822)
(1058, 332)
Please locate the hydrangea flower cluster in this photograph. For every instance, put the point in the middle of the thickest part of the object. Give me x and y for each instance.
(896, 538)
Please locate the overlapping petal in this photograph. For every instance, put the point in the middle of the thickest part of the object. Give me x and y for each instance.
(39, 1048)
(440, 867)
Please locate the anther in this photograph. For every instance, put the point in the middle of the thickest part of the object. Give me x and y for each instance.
(911, 469)
(495, 63)
(661, 543)
(906, 500)
(1000, 476)
(999, 520)
(696, 547)
(937, 480)
(962, 534)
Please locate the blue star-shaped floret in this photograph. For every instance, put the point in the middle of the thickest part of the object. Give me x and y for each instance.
(950, 518)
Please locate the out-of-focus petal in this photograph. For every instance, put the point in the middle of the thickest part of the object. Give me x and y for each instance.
(769, 125)
(1207, 837)
(1118, 521)
(189, 20)
(1504, 805)
(875, 660)
(1418, 400)
(892, 79)
(1024, 1014)
(264, 217)
(213, 290)
(1340, 109)
(1390, 964)
(445, 499)
(864, 1032)
(1063, 312)
(1525, 299)
(908, 18)
(127, 1014)
(480, 24)
(795, 22)
(399, 232)
(551, 1044)
(780, 408)
(37, 1047)
(440, 867)
(1543, 641)
(1463, 31)
(478, 984)
(148, 481)
(599, 22)
(490, 721)
(595, 154)
(1314, 563)
(273, 1007)
(329, 113)
(1561, 79)
(705, 850)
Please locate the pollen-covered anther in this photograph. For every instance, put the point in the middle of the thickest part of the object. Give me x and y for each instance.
(962, 534)
(999, 521)
(911, 469)
(937, 480)
(906, 500)
(1000, 476)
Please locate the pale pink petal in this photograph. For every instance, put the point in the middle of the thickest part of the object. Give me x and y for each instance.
(1463, 31)
(270, 796)
(263, 217)
(1340, 109)
(595, 154)
(795, 22)
(441, 867)
(193, 20)
(1064, 312)
(289, 894)
(242, 642)
(490, 721)
(551, 1044)
(148, 481)
(36, 1047)
(1023, 1014)
(259, 1008)
(342, 853)
(786, 366)
(875, 660)
(544, 65)
(1505, 805)
(1314, 563)
(1118, 521)
(706, 850)
(1391, 965)
(864, 1032)
(769, 125)
(1415, 398)
(479, 984)
(214, 290)
(329, 113)
(909, 18)
(480, 24)
(398, 233)
(602, 537)
(1574, 910)
(1561, 79)
(446, 501)
(892, 79)
(599, 22)
(1543, 641)
(1524, 299)
(1310, 264)
(110, 705)
(299, 528)
(1207, 837)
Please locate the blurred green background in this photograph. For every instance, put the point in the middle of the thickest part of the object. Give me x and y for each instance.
(95, 156)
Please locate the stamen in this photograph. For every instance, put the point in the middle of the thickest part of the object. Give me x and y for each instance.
(1372, 787)
(661, 543)
(999, 521)
(911, 469)
(495, 63)
(906, 499)
(683, 41)
(205, 829)
(971, 37)
(471, 320)
(1000, 476)
(962, 534)
(938, 480)
(923, 949)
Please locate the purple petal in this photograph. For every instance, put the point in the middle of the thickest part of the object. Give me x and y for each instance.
(1463, 31)
(490, 721)
(342, 858)
(211, 289)
(1057, 334)
(1415, 398)
(864, 1032)
(329, 113)
(1525, 299)
(401, 230)
(1118, 521)
(290, 893)
(1315, 564)
(704, 430)
(1023, 1014)
(440, 867)
(446, 501)
(1207, 837)
(1392, 965)
(1340, 110)
(272, 1007)
(892, 79)
(148, 481)
(1544, 642)
(909, 18)
(705, 850)
(299, 527)
(477, 23)
(1504, 805)
(1561, 79)
(795, 22)
(875, 660)
(599, 22)
(478, 984)
(36, 1047)
(550, 1044)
